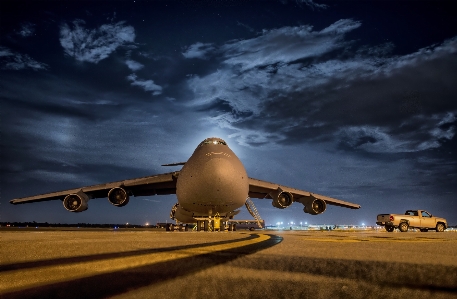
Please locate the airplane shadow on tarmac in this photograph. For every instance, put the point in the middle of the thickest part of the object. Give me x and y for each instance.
(118, 282)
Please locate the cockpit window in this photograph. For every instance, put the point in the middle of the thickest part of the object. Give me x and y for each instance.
(205, 142)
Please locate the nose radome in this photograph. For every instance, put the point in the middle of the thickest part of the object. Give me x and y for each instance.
(224, 178)
(220, 171)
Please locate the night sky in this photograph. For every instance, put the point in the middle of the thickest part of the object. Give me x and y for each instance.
(353, 100)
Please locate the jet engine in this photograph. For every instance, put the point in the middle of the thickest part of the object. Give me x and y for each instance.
(118, 197)
(281, 199)
(313, 206)
(76, 202)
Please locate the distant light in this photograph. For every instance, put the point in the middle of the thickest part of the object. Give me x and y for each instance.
(306, 222)
(363, 224)
(147, 223)
(281, 223)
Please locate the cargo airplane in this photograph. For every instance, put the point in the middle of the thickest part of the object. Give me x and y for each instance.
(212, 182)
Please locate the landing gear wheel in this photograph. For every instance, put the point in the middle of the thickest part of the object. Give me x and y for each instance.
(390, 228)
(424, 230)
(440, 228)
(403, 227)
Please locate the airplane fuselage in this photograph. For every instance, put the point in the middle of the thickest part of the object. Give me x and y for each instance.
(212, 181)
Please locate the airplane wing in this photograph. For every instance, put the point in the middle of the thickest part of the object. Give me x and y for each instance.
(263, 189)
(151, 185)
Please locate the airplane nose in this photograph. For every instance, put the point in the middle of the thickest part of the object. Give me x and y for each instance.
(218, 182)
(220, 173)
(224, 181)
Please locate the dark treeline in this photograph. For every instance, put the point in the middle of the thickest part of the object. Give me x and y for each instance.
(46, 224)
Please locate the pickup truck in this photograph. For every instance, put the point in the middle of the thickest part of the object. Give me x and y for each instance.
(412, 218)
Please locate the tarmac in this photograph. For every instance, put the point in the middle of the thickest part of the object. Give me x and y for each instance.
(103, 263)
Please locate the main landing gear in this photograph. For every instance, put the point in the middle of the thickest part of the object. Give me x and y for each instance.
(214, 224)
(181, 227)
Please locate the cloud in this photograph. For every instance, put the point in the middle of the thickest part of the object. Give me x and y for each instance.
(313, 5)
(198, 50)
(147, 85)
(287, 44)
(133, 65)
(310, 3)
(27, 29)
(96, 44)
(10, 60)
(294, 84)
(151, 200)
(378, 140)
(254, 68)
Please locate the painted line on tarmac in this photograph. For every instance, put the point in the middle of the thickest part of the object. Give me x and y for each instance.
(22, 279)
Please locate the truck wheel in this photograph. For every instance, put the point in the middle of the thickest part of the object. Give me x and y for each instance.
(403, 227)
(390, 228)
(440, 228)
(424, 230)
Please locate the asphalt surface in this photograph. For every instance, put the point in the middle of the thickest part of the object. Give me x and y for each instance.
(242, 264)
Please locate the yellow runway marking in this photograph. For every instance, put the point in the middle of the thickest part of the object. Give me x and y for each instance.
(22, 279)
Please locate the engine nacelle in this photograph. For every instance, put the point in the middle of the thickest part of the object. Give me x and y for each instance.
(118, 197)
(281, 199)
(313, 206)
(76, 202)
